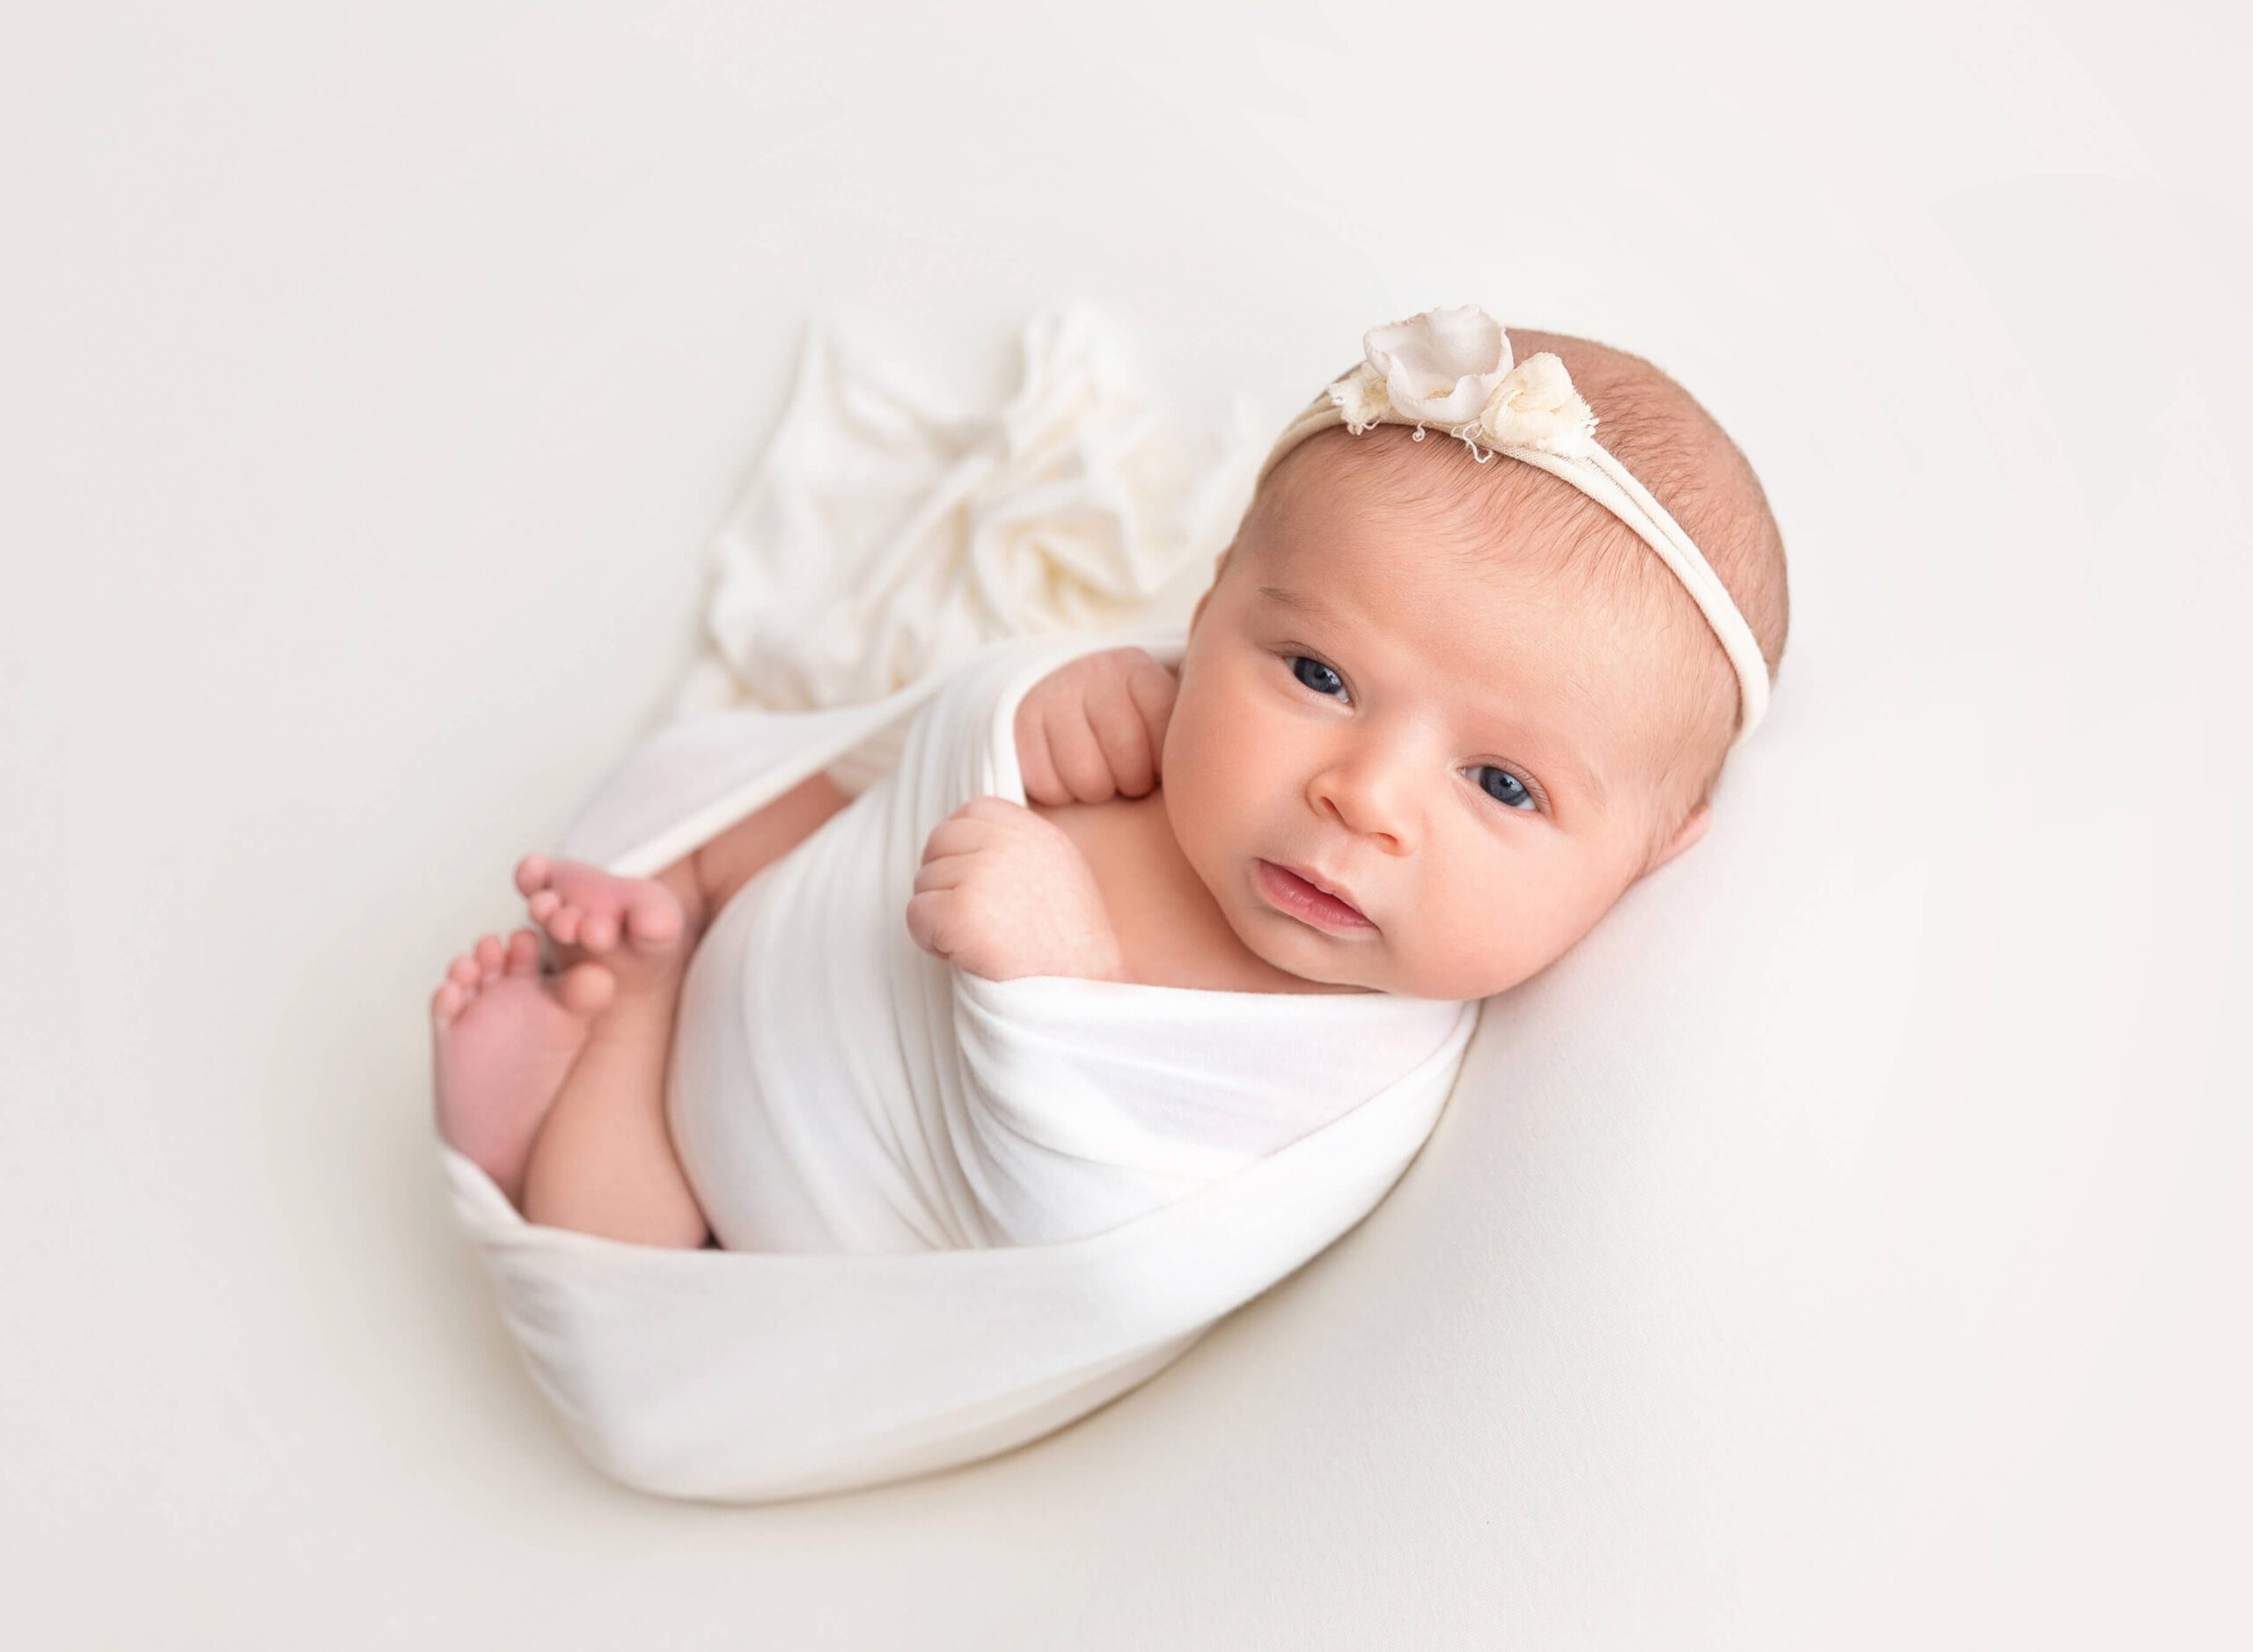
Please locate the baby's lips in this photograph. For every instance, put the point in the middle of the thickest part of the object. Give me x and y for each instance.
(1330, 886)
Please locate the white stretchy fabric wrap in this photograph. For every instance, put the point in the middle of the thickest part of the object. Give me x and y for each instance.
(1597, 473)
(883, 533)
(959, 1213)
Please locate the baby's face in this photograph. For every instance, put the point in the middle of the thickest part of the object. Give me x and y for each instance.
(1460, 753)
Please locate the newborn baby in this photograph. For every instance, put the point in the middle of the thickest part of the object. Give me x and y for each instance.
(1439, 709)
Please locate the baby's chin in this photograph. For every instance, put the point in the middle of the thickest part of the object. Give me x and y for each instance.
(1269, 936)
(1359, 964)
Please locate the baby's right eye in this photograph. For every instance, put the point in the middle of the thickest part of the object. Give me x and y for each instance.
(1315, 674)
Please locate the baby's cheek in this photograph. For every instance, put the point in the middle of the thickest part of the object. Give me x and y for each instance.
(1189, 725)
(1473, 941)
(1185, 791)
(1188, 770)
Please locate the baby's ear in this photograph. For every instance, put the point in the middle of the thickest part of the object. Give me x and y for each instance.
(1197, 612)
(1693, 828)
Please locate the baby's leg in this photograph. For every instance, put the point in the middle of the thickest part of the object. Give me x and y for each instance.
(503, 1039)
(604, 1162)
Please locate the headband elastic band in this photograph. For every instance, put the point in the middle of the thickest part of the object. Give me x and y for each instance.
(1453, 369)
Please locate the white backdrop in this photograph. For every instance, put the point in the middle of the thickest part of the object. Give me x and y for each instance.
(1846, 1246)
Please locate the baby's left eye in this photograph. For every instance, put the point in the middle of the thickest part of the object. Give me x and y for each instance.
(1314, 675)
(1506, 788)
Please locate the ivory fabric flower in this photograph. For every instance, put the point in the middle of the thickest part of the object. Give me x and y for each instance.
(1534, 405)
(1360, 396)
(1440, 367)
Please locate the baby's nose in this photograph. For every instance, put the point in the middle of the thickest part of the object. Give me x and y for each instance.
(1371, 800)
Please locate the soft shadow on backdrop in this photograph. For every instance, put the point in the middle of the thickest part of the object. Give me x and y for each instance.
(1848, 1246)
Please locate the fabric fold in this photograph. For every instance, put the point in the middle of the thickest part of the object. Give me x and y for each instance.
(959, 1213)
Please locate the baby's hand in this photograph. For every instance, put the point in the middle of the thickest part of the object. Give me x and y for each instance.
(1093, 729)
(1004, 894)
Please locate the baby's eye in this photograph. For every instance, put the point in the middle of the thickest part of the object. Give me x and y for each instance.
(1315, 674)
(1506, 788)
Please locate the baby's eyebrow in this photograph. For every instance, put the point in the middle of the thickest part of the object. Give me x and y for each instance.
(1299, 600)
(1589, 780)
(1586, 780)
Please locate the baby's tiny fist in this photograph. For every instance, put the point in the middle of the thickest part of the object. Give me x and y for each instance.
(1004, 894)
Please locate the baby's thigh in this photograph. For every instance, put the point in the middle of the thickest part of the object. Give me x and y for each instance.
(746, 849)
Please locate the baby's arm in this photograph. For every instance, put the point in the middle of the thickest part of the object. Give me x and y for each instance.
(604, 1162)
(1004, 892)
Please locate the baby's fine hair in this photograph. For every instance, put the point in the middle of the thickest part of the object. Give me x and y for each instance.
(1679, 452)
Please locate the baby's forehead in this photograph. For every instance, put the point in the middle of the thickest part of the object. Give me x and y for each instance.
(1562, 591)
(1423, 522)
(1437, 485)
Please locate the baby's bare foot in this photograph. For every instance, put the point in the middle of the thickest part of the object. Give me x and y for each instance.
(634, 926)
(503, 1039)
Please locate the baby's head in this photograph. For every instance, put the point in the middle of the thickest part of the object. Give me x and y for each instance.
(1463, 695)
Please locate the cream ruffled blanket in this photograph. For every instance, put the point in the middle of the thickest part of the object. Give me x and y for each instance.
(958, 1213)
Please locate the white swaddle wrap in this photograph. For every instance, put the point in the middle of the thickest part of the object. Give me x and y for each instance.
(960, 1213)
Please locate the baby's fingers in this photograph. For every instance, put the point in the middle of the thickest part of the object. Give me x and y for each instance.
(1037, 767)
(1125, 738)
(1152, 688)
(1081, 764)
(955, 836)
(947, 872)
(931, 921)
(980, 824)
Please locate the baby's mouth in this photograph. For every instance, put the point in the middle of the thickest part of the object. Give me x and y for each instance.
(1297, 896)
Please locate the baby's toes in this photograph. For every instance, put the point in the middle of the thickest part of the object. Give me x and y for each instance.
(653, 919)
(599, 932)
(491, 955)
(523, 952)
(532, 874)
(585, 989)
(562, 920)
(458, 989)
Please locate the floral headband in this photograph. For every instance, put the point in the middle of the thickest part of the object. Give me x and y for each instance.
(1453, 368)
